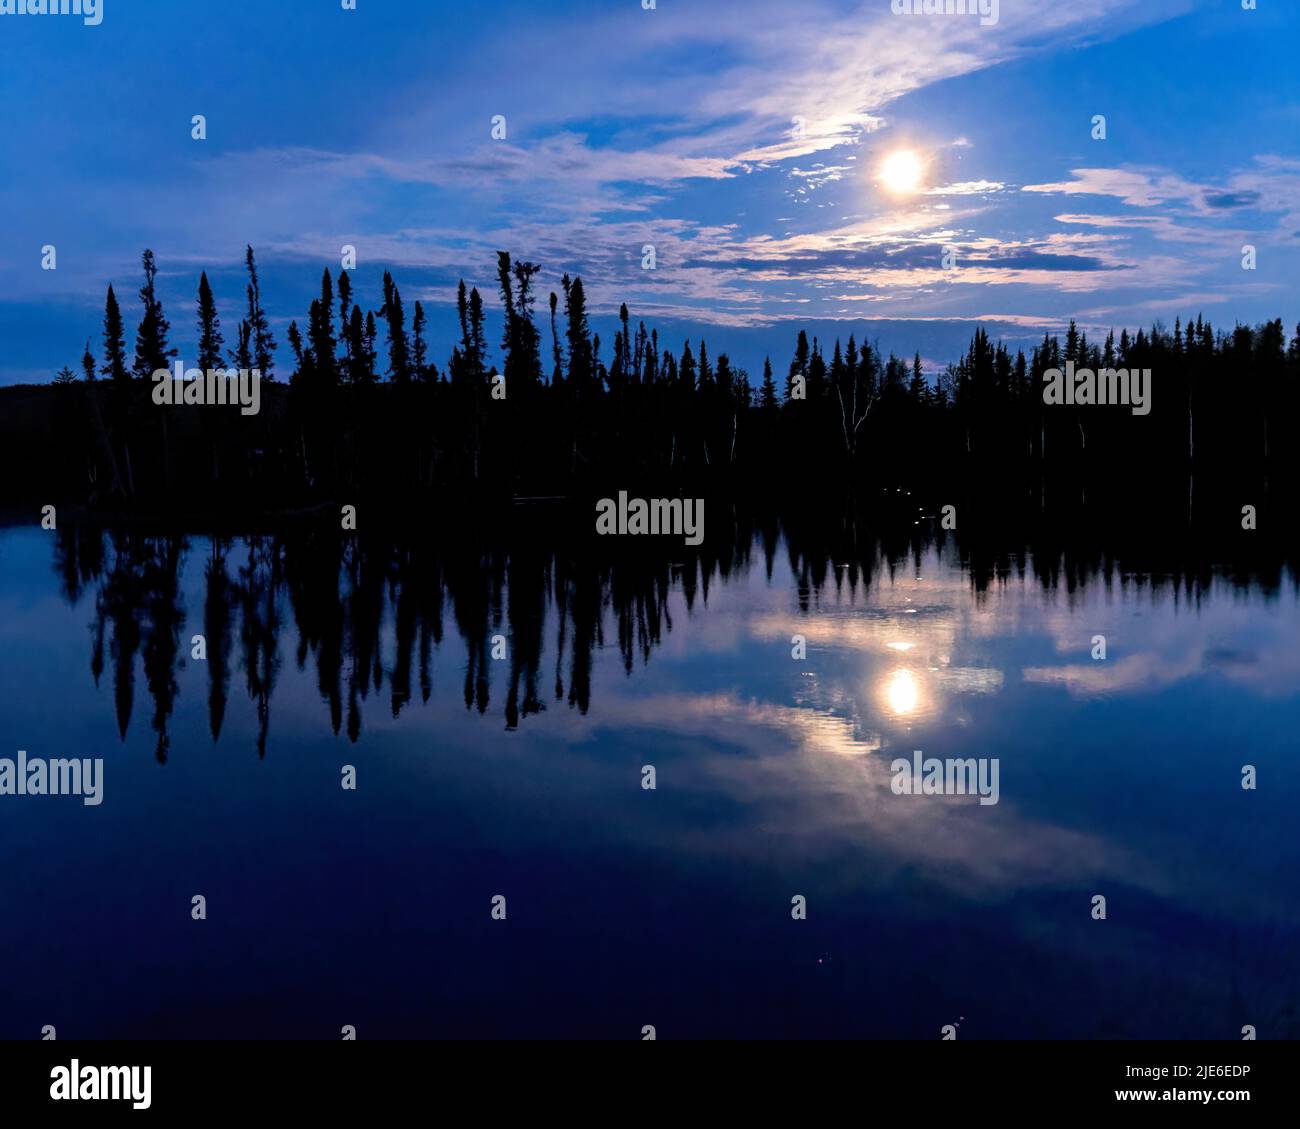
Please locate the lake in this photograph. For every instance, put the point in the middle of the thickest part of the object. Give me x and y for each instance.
(498, 709)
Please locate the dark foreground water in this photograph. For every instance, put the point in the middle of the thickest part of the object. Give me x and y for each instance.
(625, 907)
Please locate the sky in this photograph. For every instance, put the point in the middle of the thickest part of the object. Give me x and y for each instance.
(746, 141)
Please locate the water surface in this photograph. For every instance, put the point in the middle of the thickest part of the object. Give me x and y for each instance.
(522, 776)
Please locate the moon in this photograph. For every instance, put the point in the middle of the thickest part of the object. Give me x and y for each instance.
(902, 171)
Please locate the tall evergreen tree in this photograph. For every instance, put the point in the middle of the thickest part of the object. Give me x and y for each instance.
(686, 368)
(151, 349)
(520, 341)
(799, 365)
(705, 368)
(767, 394)
(114, 340)
(356, 367)
(624, 357)
(418, 349)
(577, 333)
(399, 353)
(557, 373)
(210, 339)
(345, 302)
(262, 342)
(370, 362)
(345, 325)
(477, 334)
(462, 312)
(919, 388)
(320, 334)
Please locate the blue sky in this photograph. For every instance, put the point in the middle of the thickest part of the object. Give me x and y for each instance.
(670, 127)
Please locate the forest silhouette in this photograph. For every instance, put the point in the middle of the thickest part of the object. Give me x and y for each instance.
(355, 410)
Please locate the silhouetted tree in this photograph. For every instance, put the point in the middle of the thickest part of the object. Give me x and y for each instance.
(399, 365)
(152, 352)
(520, 341)
(210, 339)
(114, 340)
(419, 351)
(320, 335)
(260, 332)
(767, 395)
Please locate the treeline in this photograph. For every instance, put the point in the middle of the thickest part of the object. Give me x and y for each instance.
(551, 410)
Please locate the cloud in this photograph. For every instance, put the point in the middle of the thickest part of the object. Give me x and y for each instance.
(1134, 187)
(967, 188)
(1271, 185)
(1231, 199)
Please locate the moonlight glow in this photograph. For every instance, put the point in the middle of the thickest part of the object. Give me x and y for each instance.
(902, 171)
(902, 693)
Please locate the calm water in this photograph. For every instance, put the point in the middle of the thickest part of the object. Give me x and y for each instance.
(521, 776)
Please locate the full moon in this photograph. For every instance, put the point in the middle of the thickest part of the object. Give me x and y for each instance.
(901, 171)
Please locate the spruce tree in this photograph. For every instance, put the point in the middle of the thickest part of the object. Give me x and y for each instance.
(345, 298)
(578, 333)
(462, 312)
(520, 341)
(528, 362)
(320, 334)
(263, 343)
(919, 389)
(418, 348)
(799, 365)
(767, 394)
(706, 369)
(356, 370)
(686, 368)
(371, 358)
(152, 352)
(114, 340)
(557, 373)
(399, 365)
(210, 339)
(477, 334)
